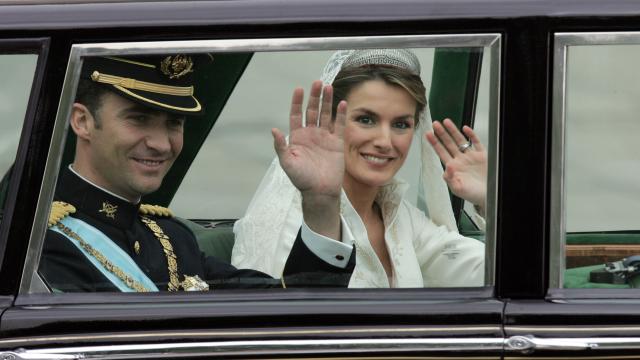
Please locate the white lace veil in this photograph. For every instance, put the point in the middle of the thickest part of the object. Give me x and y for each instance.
(265, 235)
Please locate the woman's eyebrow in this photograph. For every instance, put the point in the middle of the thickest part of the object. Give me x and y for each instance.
(406, 117)
(373, 113)
(366, 111)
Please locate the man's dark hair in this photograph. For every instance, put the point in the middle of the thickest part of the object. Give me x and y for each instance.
(90, 95)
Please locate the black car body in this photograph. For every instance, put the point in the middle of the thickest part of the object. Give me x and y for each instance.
(524, 311)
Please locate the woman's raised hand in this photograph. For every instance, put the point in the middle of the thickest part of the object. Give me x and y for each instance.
(314, 157)
(465, 162)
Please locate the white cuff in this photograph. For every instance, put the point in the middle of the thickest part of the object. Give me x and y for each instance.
(329, 250)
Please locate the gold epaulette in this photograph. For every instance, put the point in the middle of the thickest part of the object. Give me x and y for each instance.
(146, 209)
(59, 210)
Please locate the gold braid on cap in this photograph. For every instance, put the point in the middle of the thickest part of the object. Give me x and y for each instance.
(129, 83)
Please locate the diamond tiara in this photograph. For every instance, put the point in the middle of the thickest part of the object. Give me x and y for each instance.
(401, 58)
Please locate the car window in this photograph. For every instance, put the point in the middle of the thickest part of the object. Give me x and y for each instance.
(226, 104)
(240, 124)
(17, 70)
(244, 131)
(601, 170)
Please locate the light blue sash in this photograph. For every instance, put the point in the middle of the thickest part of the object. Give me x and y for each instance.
(118, 257)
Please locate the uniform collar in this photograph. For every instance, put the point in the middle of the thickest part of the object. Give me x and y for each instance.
(94, 201)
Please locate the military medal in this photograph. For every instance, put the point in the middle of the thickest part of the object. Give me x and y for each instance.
(194, 283)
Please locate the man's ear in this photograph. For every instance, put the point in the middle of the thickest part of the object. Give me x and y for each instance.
(82, 122)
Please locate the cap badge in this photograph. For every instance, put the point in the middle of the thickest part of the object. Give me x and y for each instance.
(109, 210)
(176, 66)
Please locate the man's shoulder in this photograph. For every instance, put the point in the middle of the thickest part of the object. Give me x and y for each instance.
(57, 244)
(59, 211)
(164, 217)
(155, 211)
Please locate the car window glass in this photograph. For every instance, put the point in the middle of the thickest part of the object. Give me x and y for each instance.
(601, 168)
(243, 130)
(193, 133)
(241, 124)
(17, 70)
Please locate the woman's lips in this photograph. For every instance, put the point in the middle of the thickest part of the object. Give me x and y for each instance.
(377, 160)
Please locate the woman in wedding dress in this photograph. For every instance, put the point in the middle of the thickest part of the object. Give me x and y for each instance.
(381, 103)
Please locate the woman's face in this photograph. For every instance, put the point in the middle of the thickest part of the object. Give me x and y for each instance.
(378, 132)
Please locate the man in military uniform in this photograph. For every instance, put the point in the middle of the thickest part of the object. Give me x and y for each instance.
(128, 118)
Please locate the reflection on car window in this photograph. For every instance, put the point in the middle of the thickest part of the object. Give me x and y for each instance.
(17, 71)
(601, 165)
(110, 227)
(238, 126)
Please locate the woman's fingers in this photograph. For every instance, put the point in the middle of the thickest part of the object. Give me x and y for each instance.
(337, 126)
(443, 154)
(279, 142)
(445, 139)
(325, 110)
(295, 114)
(475, 140)
(457, 136)
(313, 104)
(316, 114)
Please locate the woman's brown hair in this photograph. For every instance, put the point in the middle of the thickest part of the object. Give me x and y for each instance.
(351, 77)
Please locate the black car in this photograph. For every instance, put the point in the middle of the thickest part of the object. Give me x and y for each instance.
(551, 86)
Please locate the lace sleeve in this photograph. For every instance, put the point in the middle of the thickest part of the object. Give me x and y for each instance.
(265, 235)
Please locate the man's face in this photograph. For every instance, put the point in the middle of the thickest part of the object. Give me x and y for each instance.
(132, 147)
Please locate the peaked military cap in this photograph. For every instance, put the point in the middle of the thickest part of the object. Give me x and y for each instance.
(163, 82)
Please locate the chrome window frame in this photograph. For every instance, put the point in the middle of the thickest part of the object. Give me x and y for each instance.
(490, 41)
(562, 41)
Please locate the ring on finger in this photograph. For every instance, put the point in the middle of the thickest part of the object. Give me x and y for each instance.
(464, 147)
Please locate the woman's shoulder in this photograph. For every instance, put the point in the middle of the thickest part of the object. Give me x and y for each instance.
(409, 213)
(412, 210)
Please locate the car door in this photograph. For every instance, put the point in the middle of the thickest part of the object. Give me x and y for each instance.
(274, 323)
(589, 308)
(23, 61)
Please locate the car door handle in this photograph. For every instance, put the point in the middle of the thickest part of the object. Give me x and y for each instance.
(530, 343)
(24, 355)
